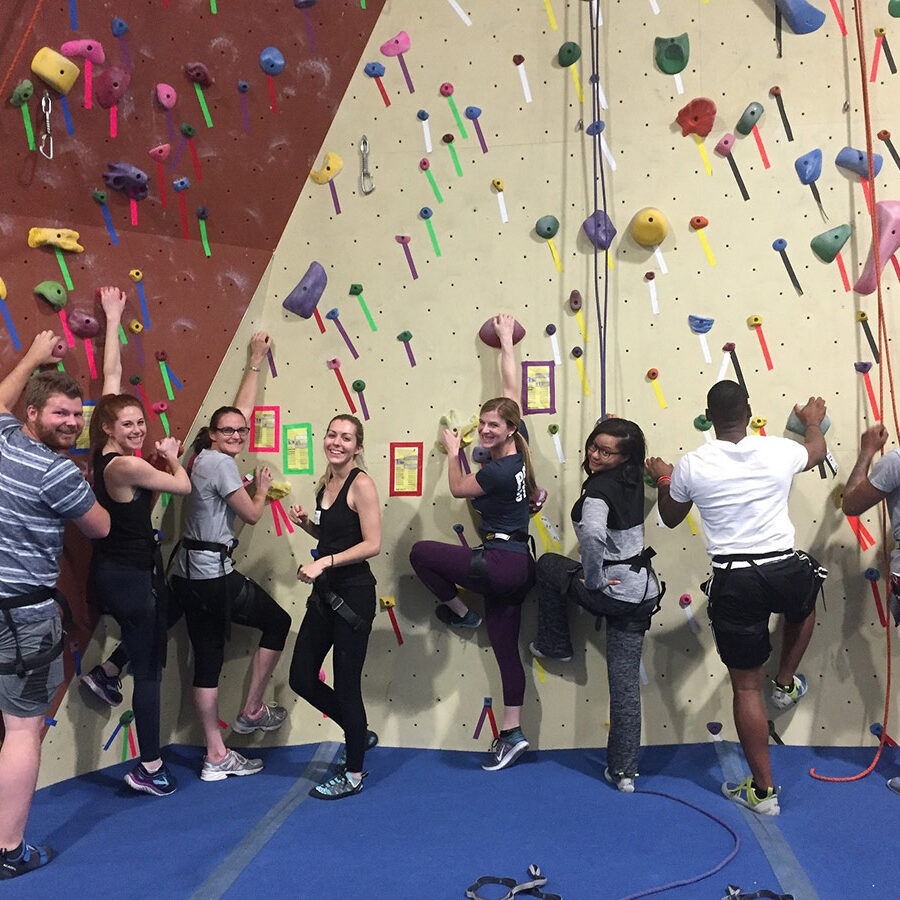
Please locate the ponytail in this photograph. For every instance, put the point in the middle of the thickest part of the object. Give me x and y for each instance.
(202, 441)
(522, 447)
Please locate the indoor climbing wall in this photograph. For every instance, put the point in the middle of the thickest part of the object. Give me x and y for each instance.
(453, 183)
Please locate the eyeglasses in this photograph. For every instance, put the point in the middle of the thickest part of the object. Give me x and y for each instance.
(603, 452)
(243, 431)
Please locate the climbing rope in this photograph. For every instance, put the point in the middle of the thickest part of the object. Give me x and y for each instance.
(15, 60)
(885, 355)
(599, 177)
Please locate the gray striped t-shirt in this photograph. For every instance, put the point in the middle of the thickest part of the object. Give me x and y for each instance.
(39, 491)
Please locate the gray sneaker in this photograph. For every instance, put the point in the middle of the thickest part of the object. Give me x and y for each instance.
(505, 750)
(271, 718)
(232, 764)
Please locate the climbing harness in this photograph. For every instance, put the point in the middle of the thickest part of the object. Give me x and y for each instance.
(735, 893)
(47, 136)
(366, 182)
(526, 888)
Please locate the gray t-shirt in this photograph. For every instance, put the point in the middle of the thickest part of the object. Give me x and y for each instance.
(39, 491)
(214, 478)
(885, 476)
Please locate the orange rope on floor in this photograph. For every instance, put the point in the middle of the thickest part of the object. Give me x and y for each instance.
(885, 355)
(28, 29)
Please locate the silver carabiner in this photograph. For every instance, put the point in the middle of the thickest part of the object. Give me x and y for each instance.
(366, 183)
(47, 136)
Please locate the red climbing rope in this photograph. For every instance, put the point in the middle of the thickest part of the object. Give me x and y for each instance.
(885, 356)
(15, 60)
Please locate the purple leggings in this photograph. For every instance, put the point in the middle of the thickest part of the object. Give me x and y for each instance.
(441, 567)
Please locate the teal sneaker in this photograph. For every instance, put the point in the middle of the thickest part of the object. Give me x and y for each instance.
(446, 615)
(338, 787)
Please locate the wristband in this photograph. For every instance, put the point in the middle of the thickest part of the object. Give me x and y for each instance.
(332, 562)
(663, 479)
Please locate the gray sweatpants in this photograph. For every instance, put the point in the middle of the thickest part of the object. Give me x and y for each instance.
(559, 581)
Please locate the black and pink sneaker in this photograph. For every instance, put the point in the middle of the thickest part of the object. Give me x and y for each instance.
(107, 687)
(159, 783)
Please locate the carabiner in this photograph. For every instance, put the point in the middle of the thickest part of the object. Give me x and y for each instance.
(47, 136)
(366, 183)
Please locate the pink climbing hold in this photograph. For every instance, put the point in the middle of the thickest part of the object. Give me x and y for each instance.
(888, 213)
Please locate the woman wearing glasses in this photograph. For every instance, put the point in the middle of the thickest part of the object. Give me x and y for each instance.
(614, 579)
(213, 593)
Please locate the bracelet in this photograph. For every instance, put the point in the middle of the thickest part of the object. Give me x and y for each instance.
(663, 479)
(253, 368)
(332, 562)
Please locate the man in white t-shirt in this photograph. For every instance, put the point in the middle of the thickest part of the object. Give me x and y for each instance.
(740, 484)
(864, 490)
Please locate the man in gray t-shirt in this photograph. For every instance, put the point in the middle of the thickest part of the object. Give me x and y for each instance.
(864, 490)
(40, 490)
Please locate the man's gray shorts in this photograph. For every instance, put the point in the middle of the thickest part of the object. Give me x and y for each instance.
(31, 695)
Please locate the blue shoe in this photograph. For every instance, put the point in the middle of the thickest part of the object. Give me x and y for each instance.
(446, 615)
(159, 783)
(27, 859)
(337, 788)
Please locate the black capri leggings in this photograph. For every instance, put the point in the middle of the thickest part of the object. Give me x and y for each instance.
(204, 601)
(322, 629)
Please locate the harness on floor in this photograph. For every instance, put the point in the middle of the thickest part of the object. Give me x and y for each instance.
(323, 594)
(225, 551)
(735, 893)
(25, 664)
(530, 888)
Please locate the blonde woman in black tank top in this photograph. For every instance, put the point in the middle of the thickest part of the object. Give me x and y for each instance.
(347, 525)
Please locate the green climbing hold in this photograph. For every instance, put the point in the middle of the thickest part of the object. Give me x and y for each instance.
(569, 54)
(99, 197)
(828, 244)
(22, 94)
(53, 292)
(749, 117)
(547, 226)
(672, 54)
(894, 8)
(355, 289)
(701, 423)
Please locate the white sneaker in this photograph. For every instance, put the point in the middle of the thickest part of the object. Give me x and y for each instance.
(783, 699)
(232, 764)
(624, 783)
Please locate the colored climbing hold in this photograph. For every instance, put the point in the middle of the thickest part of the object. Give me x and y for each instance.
(110, 86)
(271, 61)
(569, 54)
(809, 166)
(697, 117)
(303, 298)
(53, 292)
(649, 227)
(599, 229)
(749, 118)
(857, 161)
(672, 54)
(828, 244)
(199, 74)
(547, 226)
(801, 17)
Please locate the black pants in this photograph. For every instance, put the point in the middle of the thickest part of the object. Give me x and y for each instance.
(205, 601)
(127, 594)
(320, 630)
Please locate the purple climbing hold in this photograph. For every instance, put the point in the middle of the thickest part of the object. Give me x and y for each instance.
(857, 161)
(599, 229)
(128, 179)
(303, 298)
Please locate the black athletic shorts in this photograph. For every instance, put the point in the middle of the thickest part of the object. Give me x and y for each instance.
(742, 597)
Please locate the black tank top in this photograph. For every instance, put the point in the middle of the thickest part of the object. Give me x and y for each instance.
(131, 539)
(339, 529)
